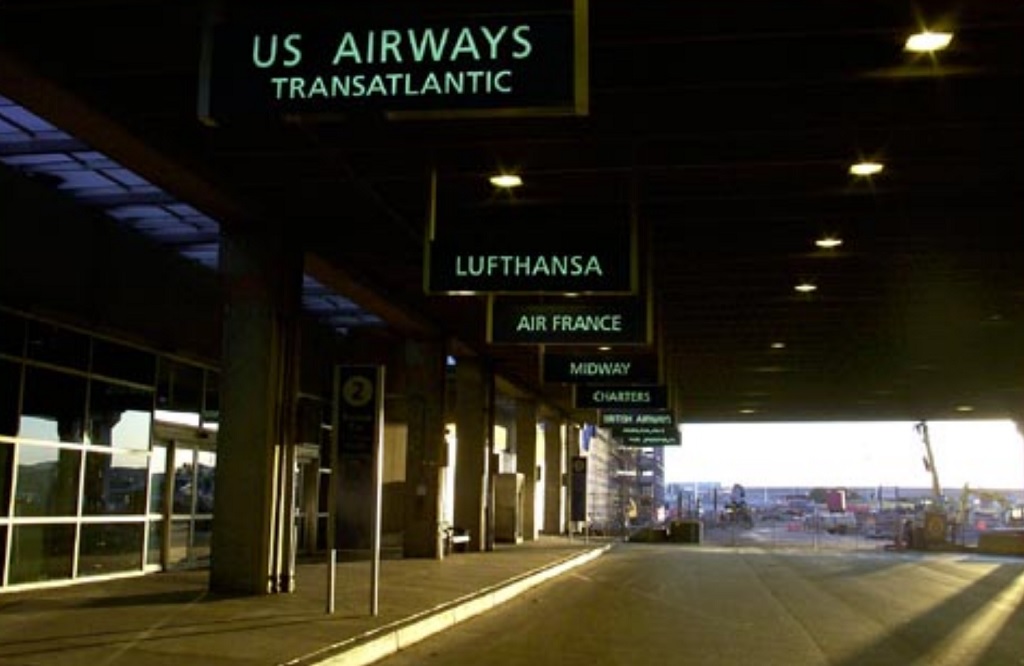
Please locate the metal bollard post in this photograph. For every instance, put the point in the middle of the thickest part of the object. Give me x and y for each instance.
(332, 561)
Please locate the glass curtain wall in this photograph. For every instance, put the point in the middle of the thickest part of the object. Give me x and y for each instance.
(82, 486)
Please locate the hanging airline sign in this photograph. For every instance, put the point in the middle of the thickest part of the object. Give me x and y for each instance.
(600, 368)
(286, 62)
(643, 431)
(358, 408)
(617, 419)
(568, 321)
(649, 441)
(605, 396)
(522, 262)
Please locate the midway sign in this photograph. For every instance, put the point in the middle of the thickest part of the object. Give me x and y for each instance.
(600, 368)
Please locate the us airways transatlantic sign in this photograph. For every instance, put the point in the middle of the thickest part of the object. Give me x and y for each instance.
(569, 321)
(600, 368)
(334, 60)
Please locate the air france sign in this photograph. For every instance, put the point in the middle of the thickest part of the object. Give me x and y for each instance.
(603, 321)
(341, 59)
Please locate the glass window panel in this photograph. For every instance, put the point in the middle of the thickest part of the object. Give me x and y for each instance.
(184, 481)
(205, 481)
(10, 386)
(6, 482)
(323, 492)
(3, 552)
(110, 548)
(157, 479)
(120, 362)
(181, 531)
(309, 417)
(12, 334)
(156, 530)
(47, 482)
(203, 531)
(115, 484)
(179, 387)
(41, 552)
(57, 345)
(211, 404)
(119, 416)
(53, 407)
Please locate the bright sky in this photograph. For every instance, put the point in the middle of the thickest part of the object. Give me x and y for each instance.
(984, 454)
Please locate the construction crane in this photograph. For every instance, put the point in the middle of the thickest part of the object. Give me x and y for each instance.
(929, 462)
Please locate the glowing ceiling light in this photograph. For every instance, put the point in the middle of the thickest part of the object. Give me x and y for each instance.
(866, 168)
(506, 180)
(806, 287)
(926, 42)
(828, 242)
(778, 345)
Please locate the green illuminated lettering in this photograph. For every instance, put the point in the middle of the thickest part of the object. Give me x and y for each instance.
(519, 35)
(494, 39)
(427, 40)
(390, 41)
(347, 48)
(464, 44)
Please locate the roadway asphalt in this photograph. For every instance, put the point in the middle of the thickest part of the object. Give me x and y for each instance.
(172, 619)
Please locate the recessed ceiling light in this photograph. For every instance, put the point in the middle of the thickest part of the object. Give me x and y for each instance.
(506, 180)
(805, 287)
(866, 168)
(965, 408)
(926, 42)
(748, 410)
(778, 345)
(828, 242)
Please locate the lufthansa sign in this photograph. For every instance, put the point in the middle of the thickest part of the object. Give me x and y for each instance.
(335, 60)
(621, 396)
(525, 263)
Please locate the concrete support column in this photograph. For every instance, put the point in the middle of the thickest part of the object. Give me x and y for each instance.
(424, 365)
(258, 386)
(473, 389)
(554, 476)
(526, 463)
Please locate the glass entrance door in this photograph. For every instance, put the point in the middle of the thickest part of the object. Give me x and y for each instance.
(182, 496)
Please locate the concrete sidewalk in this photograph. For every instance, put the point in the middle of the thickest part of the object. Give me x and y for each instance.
(171, 618)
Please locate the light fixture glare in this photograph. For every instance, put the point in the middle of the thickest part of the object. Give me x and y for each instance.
(866, 168)
(506, 180)
(828, 242)
(926, 42)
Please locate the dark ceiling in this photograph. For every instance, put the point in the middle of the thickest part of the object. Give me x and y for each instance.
(726, 127)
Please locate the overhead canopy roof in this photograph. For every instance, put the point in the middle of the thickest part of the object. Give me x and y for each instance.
(725, 129)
